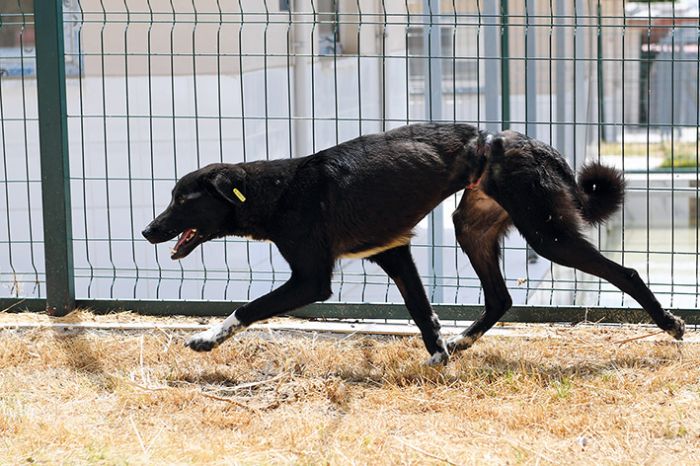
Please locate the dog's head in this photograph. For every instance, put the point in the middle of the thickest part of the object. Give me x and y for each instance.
(203, 206)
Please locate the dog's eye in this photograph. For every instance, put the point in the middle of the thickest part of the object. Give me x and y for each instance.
(181, 199)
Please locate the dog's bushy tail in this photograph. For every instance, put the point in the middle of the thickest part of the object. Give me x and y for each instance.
(603, 190)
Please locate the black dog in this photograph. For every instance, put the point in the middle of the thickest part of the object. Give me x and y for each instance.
(362, 198)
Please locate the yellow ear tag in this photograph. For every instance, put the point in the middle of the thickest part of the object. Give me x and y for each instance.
(239, 194)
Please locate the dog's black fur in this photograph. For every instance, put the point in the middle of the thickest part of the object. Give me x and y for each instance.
(362, 198)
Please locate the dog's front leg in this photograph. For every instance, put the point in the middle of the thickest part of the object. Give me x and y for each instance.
(300, 290)
(398, 264)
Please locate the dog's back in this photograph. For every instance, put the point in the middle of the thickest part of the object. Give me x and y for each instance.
(378, 187)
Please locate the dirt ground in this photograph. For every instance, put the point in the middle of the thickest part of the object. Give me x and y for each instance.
(578, 395)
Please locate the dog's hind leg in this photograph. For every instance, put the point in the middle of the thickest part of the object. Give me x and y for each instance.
(398, 264)
(480, 223)
(572, 250)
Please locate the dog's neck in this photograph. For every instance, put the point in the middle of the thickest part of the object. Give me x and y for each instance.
(255, 217)
(479, 152)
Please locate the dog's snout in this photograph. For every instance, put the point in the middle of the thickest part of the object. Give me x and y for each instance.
(149, 233)
(157, 232)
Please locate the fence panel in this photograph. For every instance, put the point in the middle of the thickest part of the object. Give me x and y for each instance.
(156, 89)
(21, 227)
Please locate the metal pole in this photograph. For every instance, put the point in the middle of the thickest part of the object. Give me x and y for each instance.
(53, 142)
(561, 78)
(531, 71)
(581, 86)
(432, 45)
(601, 81)
(491, 38)
(505, 67)
(303, 48)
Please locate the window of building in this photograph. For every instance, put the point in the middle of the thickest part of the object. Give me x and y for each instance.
(18, 38)
(329, 28)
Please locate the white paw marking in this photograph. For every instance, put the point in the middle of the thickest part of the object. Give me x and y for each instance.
(462, 341)
(215, 335)
(438, 358)
(207, 340)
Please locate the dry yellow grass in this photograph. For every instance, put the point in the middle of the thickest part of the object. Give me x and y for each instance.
(107, 397)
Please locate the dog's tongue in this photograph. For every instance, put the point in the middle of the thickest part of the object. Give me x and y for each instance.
(183, 239)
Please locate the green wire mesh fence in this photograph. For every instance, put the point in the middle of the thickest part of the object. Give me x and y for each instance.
(153, 89)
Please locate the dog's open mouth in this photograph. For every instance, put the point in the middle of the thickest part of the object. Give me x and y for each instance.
(189, 239)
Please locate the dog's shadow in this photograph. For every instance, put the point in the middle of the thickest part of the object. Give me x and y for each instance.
(487, 366)
(501, 366)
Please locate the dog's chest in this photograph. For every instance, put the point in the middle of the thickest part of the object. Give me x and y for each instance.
(365, 251)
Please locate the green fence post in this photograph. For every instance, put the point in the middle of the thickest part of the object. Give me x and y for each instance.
(53, 142)
(505, 67)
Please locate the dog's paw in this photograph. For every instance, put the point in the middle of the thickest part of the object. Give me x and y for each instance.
(439, 358)
(207, 340)
(677, 328)
(453, 343)
(461, 342)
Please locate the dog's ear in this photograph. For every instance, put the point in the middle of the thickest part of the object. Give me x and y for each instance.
(230, 185)
(496, 146)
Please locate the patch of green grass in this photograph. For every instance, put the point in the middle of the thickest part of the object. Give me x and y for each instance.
(678, 155)
(675, 431)
(680, 160)
(562, 388)
(631, 149)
